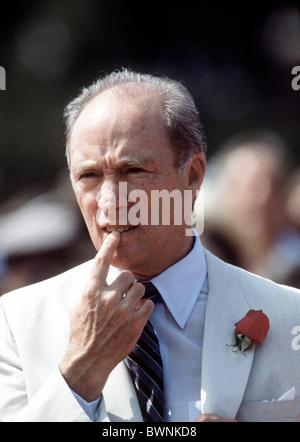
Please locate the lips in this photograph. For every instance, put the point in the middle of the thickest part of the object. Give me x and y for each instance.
(118, 229)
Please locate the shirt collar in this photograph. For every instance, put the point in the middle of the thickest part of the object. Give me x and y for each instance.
(180, 284)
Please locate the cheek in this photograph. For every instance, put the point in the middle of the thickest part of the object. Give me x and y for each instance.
(87, 203)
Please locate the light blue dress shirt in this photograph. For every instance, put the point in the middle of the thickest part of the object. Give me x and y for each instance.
(179, 325)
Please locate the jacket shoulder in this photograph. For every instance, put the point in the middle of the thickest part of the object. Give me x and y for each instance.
(255, 288)
(57, 289)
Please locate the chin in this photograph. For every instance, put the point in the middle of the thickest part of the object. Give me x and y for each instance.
(124, 261)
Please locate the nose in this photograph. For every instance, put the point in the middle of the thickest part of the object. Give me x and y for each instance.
(112, 200)
(112, 195)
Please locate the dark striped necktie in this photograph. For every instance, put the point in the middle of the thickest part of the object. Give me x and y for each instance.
(145, 367)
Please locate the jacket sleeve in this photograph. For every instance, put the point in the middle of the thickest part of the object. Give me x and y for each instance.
(53, 402)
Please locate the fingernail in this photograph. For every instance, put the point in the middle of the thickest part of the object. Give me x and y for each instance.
(115, 234)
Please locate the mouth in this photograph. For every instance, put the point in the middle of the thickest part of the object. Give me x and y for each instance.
(122, 229)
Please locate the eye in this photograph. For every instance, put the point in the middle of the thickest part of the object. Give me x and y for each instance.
(88, 175)
(135, 170)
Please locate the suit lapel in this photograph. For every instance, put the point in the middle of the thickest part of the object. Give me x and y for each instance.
(120, 397)
(224, 372)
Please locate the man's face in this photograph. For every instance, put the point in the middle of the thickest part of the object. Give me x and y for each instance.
(114, 142)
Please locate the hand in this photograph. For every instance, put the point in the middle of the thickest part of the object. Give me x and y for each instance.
(104, 326)
(209, 417)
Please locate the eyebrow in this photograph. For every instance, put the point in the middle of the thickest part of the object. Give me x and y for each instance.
(135, 160)
(125, 161)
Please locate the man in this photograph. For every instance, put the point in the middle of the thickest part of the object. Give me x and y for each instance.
(65, 341)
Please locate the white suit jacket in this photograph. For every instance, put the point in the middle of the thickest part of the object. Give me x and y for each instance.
(34, 329)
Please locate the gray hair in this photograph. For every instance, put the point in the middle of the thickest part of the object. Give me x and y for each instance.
(183, 127)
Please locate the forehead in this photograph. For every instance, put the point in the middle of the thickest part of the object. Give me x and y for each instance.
(122, 110)
(132, 125)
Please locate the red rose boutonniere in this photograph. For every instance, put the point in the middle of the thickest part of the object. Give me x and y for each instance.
(252, 329)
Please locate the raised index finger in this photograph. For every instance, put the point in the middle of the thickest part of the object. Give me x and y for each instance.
(104, 256)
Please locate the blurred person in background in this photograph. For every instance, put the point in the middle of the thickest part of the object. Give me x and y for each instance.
(250, 176)
(293, 200)
(292, 276)
(41, 234)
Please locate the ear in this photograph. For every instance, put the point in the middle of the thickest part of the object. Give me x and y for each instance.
(196, 171)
